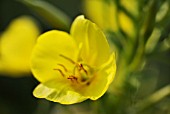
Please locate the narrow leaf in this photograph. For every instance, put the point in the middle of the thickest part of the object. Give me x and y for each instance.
(53, 15)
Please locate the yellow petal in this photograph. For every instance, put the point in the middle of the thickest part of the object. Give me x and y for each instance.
(109, 16)
(58, 90)
(104, 13)
(95, 49)
(101, 81)
(49, 52)
(16, 45)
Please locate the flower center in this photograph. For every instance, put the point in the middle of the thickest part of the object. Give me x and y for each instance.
(80, 73)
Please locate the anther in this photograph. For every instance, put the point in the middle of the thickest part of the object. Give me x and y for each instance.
(88, 83)
(72, 78)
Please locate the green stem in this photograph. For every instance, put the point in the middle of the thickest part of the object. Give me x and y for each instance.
(154, 98)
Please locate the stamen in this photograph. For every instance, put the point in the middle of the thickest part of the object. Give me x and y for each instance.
(68, 59)
(82, 68)
(83, 80)
(80, 73)
(60, 71)
(65, 69)
(73, 78)
(88, 83)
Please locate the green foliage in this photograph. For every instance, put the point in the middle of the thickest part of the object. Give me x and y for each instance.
(52, 14)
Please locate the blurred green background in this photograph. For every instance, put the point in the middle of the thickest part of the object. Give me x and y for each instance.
(16, 93)
(10, 9)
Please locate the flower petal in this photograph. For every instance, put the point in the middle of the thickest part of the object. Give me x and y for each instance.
(58, 90)
(16, 45)
(95, 49)
(107, 21)
(49, 52)
(101, 81)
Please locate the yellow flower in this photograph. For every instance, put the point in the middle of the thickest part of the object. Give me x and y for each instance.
(103, 14)
(16, 46)
(73, 67)
(109, 16)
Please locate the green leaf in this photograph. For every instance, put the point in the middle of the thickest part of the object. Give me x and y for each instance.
(50, 13)
(149, 20)
(154, 98)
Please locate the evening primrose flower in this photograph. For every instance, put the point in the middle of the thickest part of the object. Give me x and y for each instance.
(73, 67)
(16, 44)
(109, 16)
